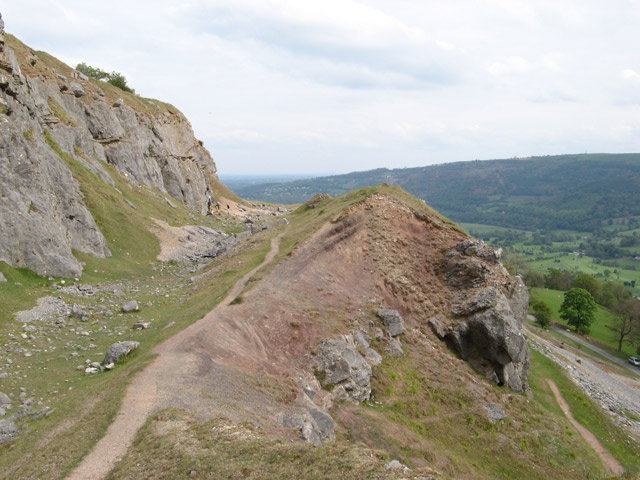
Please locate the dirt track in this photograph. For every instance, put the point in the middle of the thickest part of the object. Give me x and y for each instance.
(611, 463)
(170, 380)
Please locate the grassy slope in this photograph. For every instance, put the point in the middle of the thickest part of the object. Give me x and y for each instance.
(583, 410)
(84, 406)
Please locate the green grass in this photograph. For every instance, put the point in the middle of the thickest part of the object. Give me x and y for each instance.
(600, 330)
(219, 449)
(450, 429)
(583, 409)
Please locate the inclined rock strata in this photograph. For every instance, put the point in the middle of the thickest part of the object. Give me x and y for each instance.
(42, 212)
(489, 308)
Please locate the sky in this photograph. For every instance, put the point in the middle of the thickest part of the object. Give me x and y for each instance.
(335, 86)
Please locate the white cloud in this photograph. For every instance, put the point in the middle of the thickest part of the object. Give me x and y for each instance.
(343, 85)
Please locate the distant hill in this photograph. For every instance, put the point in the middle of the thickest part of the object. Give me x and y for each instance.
(577, 192)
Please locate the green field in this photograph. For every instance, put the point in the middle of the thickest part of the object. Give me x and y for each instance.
(600, 329)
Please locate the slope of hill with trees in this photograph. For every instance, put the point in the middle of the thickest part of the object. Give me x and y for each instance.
(576, 192)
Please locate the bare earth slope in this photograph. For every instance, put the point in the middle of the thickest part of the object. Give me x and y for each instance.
(255, 360)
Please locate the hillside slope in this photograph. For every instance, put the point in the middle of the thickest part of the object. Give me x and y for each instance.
(574, 192)
(310, 350)
(54, 119)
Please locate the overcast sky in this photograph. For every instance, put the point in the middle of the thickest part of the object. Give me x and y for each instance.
(297, 86)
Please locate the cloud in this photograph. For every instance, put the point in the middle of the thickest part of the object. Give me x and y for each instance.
(342, 85)
(362, 44)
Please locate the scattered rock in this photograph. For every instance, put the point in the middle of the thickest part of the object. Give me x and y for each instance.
(91, 370)
(130, 306)
(76, 311)
(76, 89)
(118, 350)
(495, 412)
(141, 325)
(395, 465)
(2, 278)
(393, 321)
(8, 430)
(118, 103)
(47, 309)
(394, 348)
(373, 357)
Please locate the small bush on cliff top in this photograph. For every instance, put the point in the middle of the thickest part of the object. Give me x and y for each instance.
(114, 78)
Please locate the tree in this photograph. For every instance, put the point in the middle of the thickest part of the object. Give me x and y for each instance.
(542, 312)
(118, 80)
(90, 71)
(578, 309)
(612, 294)
(114, 78)
(588, 283)
(557, 279)
(627, 323)
(533, 279)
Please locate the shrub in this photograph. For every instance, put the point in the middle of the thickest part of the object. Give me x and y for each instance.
(114, 78)
(542, 312)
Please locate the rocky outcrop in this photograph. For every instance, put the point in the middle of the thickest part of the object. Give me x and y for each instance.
(343, 369)
(46, 121)
(118, 350)
(490, 307)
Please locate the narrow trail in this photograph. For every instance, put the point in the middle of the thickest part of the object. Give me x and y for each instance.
(166, 379)
(609, 461)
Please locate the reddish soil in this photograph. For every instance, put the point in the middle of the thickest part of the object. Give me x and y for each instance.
(239, 360)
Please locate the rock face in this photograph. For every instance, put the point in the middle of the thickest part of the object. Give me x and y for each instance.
(491, 306)
(43, 117)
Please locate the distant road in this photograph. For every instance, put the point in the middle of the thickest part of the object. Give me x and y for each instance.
(590, 346)
(622, 363)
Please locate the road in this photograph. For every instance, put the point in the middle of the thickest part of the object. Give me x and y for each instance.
(590, 346)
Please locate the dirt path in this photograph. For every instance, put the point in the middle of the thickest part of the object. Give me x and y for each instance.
(166, 381)
(610, 463)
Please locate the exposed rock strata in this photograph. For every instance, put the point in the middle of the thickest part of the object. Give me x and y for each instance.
(42, 211)
(492, 306)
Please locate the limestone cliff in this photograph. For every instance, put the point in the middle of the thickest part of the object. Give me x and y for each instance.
(49, 111)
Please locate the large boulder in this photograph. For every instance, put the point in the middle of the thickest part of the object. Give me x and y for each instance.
(8, 430)
(393, 321)
(118, 350)
(343, 369)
